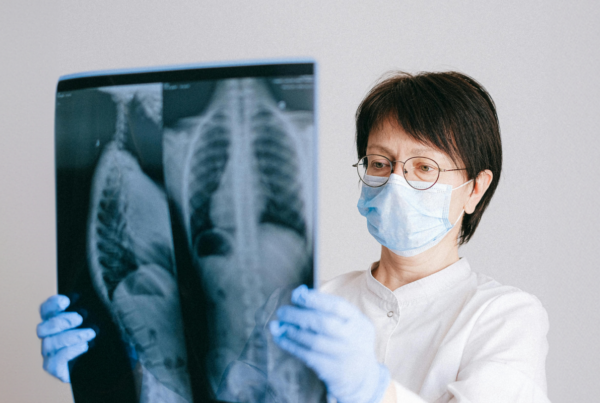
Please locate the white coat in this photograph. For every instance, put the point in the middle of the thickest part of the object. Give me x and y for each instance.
(454, 336)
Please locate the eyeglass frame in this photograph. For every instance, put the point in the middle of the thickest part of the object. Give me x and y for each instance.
(393, 164)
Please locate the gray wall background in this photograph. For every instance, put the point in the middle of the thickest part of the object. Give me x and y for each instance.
(539, 60)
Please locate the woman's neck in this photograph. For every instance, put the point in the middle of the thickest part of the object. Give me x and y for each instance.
(394, 271)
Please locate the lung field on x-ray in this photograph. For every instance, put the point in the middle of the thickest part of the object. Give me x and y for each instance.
(205, 173)
(239, 176)
(278, 168)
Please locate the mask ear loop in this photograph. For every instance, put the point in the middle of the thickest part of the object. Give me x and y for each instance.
(463, 210)
(458, 219)
(458, 187)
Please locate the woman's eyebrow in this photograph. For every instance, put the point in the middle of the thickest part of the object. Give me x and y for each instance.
(417, 151)
(382, 148)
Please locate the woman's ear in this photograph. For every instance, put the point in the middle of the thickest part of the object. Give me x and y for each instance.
(481, 184)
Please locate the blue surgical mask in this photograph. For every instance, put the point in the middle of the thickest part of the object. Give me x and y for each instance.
(405, 220)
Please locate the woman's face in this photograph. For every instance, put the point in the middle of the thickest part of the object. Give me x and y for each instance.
(391, 141)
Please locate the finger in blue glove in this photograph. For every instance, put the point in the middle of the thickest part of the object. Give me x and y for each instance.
(61, 342)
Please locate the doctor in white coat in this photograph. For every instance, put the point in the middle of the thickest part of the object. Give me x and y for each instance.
(418, 325)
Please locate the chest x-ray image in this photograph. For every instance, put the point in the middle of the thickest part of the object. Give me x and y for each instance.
(185, 217)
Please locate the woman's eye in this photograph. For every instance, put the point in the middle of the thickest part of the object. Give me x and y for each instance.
(426, 168)
(379, 164)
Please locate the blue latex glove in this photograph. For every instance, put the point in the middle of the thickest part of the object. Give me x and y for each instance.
(61, 342)
(336, 340)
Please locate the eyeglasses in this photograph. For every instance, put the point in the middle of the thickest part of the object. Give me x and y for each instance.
(421, 173)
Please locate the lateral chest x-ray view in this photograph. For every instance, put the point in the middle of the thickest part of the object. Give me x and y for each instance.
(185, 218)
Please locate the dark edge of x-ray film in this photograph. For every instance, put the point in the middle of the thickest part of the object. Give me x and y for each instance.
(117, 187)
(191, 74)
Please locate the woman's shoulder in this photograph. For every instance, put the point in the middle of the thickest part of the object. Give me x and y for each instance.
(498, 300)
(491, 289)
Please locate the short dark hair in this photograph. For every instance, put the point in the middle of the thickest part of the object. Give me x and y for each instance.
(449, 111)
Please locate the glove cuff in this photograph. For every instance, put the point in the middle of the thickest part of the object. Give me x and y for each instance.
(383, 380)
(371, 389)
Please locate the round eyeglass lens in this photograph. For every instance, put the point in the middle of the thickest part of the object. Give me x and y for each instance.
(421, 173)
(374, 170)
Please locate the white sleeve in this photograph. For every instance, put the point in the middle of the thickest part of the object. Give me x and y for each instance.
(504, 358)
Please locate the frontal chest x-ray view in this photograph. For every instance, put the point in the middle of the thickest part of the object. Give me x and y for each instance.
(185, 218)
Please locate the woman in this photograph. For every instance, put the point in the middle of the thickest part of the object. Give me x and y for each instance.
(418, 325)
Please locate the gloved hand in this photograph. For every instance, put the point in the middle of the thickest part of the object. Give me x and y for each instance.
(336, 340)
(61, 342)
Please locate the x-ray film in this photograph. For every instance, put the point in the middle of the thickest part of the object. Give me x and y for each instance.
(185, 218)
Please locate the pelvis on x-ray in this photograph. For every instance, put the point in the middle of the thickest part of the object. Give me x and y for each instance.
(240, 178)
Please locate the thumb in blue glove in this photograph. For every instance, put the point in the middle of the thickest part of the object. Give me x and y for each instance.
(61, 342)
(336, 340)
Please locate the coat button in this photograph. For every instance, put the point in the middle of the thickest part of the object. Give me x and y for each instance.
(390, 314)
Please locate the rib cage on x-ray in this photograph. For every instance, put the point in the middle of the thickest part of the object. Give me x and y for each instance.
(235, 176)
(244, 126)
(130, 254)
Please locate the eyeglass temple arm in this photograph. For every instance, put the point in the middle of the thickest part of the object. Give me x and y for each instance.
(447, 170)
